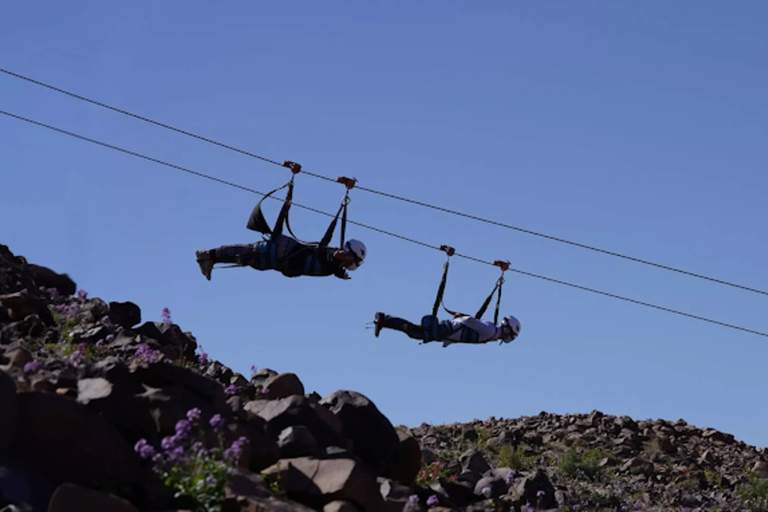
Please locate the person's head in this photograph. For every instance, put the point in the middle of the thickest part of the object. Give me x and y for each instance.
(355, 252)
(510, 328)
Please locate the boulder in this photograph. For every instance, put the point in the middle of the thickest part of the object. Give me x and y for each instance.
(70, 497)
(373, 437)
(408, 460)
(283, 385)
(9, 410)
(67, 442)
(292, 411)
(21, 304)
(125, 314)
(317, 482)
(46, 278)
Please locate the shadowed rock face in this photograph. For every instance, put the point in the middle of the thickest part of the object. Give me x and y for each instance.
(89, 394)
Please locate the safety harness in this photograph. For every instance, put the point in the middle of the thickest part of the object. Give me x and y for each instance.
(430, 323)
(257, 222)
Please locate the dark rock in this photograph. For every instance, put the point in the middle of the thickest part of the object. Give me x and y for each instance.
(19, 305)
(162, 374)
(474, 460)
(70, 497)
(46, 278)
(67, 442)
(261, 376)
(317, 482)
(408, 460)
(373, 437)
(125, 314)
(525, 490)
(171, 338)
(91, 336)
(283, 385)
(19, 357)
(9, 410)
(297, 441)
(293, 411)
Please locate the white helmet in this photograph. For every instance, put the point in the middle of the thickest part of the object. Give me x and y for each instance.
(513, 324)
(357, 248)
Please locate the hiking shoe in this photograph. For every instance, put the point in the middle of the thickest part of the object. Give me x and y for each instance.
(377, 318)
(205, 262)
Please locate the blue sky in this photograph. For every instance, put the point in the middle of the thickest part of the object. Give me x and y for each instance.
(635, 127)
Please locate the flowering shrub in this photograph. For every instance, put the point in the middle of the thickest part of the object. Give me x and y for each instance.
(431, 473)
(195, 473)
(146, 355)
(202, 358)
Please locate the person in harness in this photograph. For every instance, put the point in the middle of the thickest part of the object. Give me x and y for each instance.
(462, 328)
(285, 254)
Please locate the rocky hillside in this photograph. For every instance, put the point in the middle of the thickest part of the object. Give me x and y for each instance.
(103, 410)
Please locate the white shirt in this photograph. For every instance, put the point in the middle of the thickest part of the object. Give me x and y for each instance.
(487, 330)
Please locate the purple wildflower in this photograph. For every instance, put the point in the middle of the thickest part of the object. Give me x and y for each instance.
(234, 452)
(486, 491)
(413, 498)
(183, 428)
(54, 293)
(193, 415)
(198, 448)
(265, 391)
(82, 294)
(539, 493)
(169, 443)
(32, 367)
(210, 481)
(529, 508)
(78, 355)
(144, 449)
(110, 338)
(144, 354)
(203, 358)
(231, 389)
(433, 500)
(176, 454)
(100, 343)
(166, 316)
(217, 422)
(510, 477)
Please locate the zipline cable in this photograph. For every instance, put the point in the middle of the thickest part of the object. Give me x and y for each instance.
(392, 196)
(401, 237)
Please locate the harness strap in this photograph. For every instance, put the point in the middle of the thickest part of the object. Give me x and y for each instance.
(441, 289)
(282, 217)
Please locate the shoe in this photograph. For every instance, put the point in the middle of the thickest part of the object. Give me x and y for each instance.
(377, 318)
(205, 262)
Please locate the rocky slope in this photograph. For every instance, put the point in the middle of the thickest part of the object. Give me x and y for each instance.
(101, 410)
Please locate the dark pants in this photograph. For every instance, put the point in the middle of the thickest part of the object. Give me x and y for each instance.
(444, 328)
(263, 255)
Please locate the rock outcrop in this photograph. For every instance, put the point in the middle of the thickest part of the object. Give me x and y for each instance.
(102, 410)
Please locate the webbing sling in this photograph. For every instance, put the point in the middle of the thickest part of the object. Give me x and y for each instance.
(429, 323)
